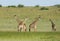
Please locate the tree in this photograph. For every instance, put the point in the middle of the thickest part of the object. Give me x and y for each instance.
(0, 5)
(20, 5)
(58, 5)
(37, 6)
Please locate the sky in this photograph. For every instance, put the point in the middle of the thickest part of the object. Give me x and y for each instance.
(30, 2)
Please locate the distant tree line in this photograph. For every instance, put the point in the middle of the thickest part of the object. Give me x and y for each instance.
(16, 6)
(11, 6)
(20, 5)
(58, 5)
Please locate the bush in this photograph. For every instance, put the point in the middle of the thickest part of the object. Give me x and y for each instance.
(20, 5)
(44, 8)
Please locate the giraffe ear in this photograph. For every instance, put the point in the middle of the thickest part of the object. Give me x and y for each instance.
(14, 15)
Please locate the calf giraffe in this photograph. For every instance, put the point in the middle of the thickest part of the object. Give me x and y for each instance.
(33, 24)
(21, 24)
(53, 25)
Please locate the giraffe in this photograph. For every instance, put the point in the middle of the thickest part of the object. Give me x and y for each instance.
(33, 24)
(52, 25)
(21, 24)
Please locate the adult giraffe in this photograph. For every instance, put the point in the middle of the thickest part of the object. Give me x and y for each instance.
(21, 24)
(52, 25)
(33, 24)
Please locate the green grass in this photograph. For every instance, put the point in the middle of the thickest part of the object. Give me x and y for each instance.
(29, 36)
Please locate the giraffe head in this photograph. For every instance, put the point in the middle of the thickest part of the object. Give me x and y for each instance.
(39, 17)
(15, 16)
(26, 18)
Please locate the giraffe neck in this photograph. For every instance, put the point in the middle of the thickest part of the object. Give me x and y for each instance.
(25, 20)
(36, 20)
(17, 19)
(51, 21)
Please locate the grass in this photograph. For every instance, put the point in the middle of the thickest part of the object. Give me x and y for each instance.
(8, 24)
(30, 36)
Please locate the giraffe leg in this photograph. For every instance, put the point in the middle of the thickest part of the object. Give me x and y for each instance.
(55, 28)
(18, 28)
(35, 29)
(24, 28)
(29, 29)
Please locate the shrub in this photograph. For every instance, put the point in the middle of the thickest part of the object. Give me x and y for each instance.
(44, 8)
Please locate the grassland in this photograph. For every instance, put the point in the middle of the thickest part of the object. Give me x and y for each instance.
(29, 36)
(8, 24)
